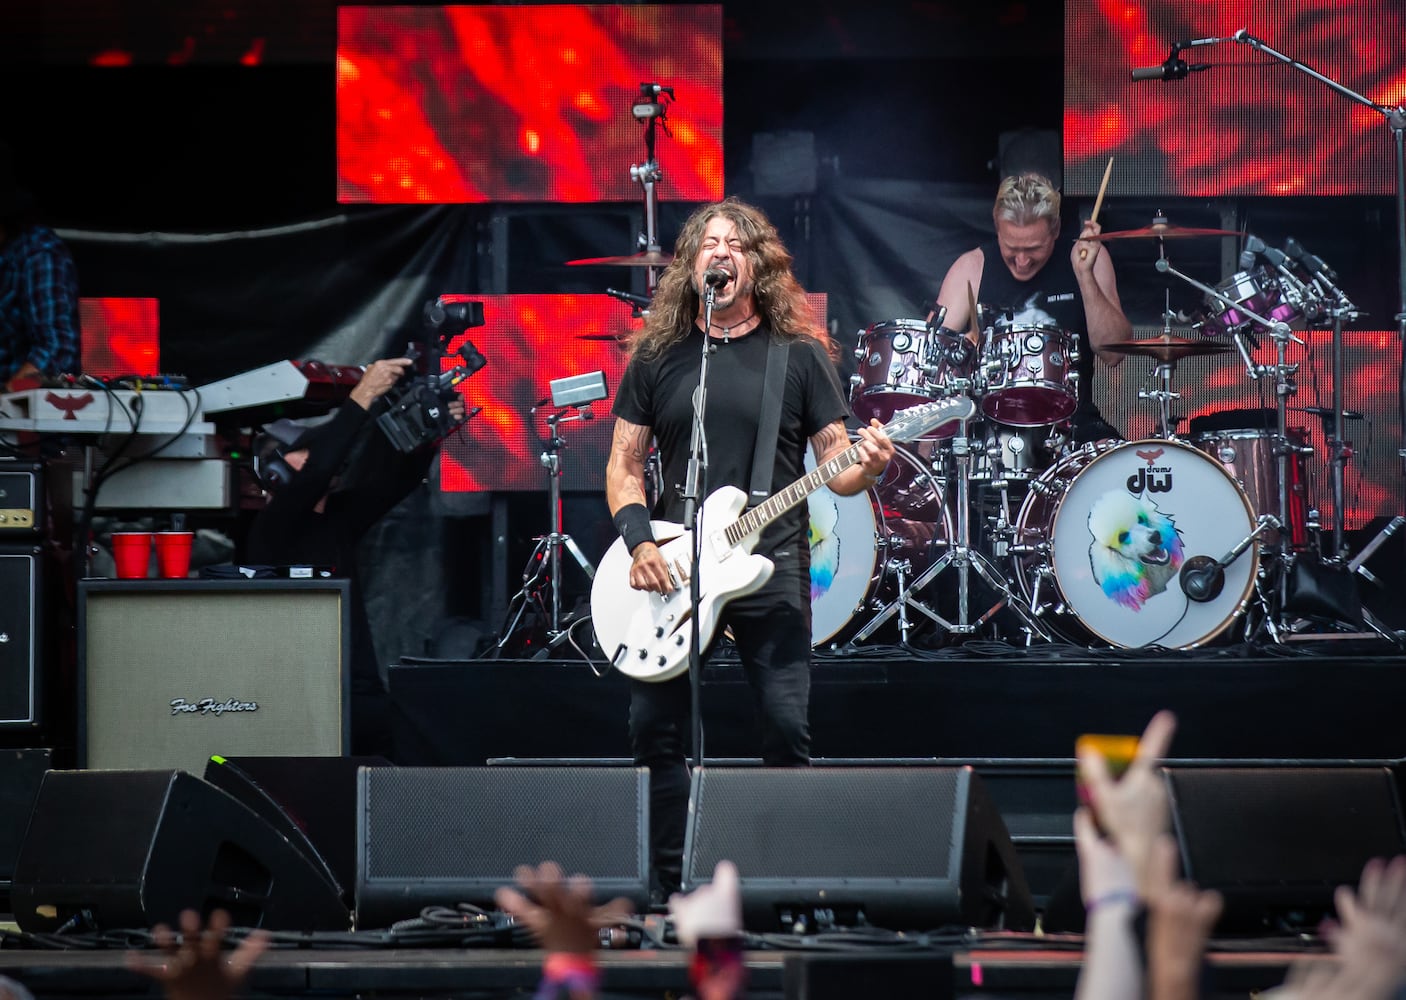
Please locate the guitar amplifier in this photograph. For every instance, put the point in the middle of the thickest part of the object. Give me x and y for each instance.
(21, 499)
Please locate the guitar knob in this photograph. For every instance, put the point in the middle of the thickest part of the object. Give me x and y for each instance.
(663, 661)
(659, 632)
(678, 640)
(644, 654)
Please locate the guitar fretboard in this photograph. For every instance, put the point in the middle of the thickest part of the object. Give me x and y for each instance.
(779, 503)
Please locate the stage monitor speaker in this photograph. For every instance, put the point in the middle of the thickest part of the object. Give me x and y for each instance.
(21, 665)
(1276, 841)
(902, 848)
(174, 671)
(126, 849)
(310, 800)
(441, 836)
(21, 772)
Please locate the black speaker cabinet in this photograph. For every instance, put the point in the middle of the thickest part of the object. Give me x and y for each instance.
(21, 772)
(21, 665)
(131, 848)
(173, 671)
(441, 836)
(1276, 841)
(902, 847)
(310, 800)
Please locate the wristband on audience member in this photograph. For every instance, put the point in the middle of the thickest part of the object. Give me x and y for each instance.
(1112, 898)
(567, 972)
(632, 521)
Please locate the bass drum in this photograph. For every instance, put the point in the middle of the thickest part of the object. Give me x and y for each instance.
(1103, 535)
(852, 540)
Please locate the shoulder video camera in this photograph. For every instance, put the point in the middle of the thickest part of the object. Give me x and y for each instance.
(417, 410)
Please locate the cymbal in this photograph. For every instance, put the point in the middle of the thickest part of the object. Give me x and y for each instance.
(645, 258)
(1161, 231)
(1167, 348)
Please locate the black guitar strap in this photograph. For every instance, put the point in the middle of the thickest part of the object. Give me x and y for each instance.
(764, 453)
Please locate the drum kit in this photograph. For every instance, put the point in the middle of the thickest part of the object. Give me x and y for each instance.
(1167, 541)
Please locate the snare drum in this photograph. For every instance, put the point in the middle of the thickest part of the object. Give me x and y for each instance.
(853, 538)
(1015, 454)
(906, 362)
(1244, 442)
(1102, 537)
(1027, 375)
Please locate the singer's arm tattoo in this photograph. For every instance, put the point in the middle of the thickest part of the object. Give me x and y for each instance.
(624, 471)
(828, 440)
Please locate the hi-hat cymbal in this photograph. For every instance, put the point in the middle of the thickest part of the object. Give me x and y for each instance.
(1161, 231)
(1166, 348)
(645, 258)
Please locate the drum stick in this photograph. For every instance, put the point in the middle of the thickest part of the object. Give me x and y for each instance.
(975, 331)
(1098, 202)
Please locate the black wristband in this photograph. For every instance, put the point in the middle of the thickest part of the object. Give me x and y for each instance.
(632, 521)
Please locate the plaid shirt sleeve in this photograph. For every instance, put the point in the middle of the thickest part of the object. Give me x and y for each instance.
(49, 287)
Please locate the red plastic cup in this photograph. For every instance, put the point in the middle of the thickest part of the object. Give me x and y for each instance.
(173, 553)
(131, 550)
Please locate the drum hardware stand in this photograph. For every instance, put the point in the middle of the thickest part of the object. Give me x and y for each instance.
(544, 565)
(1284, 385)
(964, 558)
(1163, 394)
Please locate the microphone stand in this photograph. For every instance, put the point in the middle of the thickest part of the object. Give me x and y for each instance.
(695, 482)
(1396, 122)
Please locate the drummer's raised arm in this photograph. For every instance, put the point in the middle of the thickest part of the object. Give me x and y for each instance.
(965, 270)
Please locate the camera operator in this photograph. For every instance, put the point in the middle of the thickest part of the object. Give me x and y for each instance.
(320, 508)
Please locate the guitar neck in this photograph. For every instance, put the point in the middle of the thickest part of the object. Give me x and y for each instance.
(754, 520)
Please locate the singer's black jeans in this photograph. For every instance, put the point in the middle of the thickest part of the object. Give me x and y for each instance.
(772, 631)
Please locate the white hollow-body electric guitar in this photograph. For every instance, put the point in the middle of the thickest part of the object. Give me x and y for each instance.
(646, 635)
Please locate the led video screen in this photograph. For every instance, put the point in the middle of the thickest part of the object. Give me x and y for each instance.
(530, 340)
(1248, 124)
(525, 103)
(184, 32)
(120, 336)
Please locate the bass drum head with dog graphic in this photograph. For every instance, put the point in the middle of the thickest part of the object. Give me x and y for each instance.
(853, 538)
(1110, 527)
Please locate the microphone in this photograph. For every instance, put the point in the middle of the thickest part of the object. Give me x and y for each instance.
(1174, 68)
(643, 301)
(716, 277)
(1203, 578)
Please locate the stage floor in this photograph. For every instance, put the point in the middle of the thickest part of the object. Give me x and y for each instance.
(1011, 714)
(1003, 966)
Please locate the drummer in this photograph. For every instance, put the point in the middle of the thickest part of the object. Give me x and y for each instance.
(1044, 285)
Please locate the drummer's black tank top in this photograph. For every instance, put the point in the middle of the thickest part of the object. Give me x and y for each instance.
(1051, 298)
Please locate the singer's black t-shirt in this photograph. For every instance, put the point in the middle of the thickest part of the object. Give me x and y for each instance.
(658, 394)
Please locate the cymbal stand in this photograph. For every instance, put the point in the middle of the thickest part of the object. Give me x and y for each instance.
(1341, 448)
(1284, 387)
(652, 108)
(964, 558)
(541, 579)
(1164, 394)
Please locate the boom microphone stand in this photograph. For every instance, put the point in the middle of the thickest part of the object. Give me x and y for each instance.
(1396, 122)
